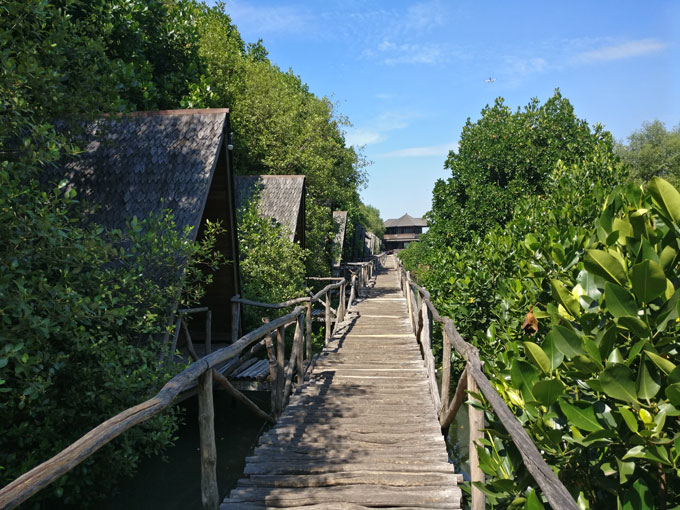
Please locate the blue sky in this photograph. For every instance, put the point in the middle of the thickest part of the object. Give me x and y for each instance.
(409, 74)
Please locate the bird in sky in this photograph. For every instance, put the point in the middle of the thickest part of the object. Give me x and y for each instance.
(490, 80)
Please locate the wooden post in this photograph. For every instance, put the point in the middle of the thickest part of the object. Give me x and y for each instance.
(475, 429)
(352, 291)
(280, 355)
(308, 330)
(328, 318)
(408, 300)
(206, 423)
(446, 372)
(273, 370)
(299, 339)
(448, 415)
(208, 332)
(235, 319)
(341, 303)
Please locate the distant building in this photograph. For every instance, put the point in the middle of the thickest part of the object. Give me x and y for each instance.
(400, 232)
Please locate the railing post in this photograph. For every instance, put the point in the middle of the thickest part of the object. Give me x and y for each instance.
(341, 303)
(206, 423)
(299, 339)
(308, 330)
(408, 300)
(235, 318)
(476, 426)
(353, 290)
(280, 360)
(446, 372)
(328, 318)
(273, 369)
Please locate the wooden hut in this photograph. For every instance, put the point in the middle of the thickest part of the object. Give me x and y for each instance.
(281, 198)
(146, 162)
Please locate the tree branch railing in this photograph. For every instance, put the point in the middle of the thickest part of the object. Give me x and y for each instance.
(201, 374)
(473, 380)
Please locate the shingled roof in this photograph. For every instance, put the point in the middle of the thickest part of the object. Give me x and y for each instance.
(340, 225)
(146, 162)
(281, 197)
(405, 221)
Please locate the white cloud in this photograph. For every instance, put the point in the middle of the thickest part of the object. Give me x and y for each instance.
(376, 130)
(419, 152)
(363, 136)
(621, 51)
(266, 20)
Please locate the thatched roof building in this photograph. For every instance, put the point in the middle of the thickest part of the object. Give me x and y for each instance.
(282, 198)
(146, 162)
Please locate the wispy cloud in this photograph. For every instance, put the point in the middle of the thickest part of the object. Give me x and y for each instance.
(441, 150)
(620, 51)
(268, 20)
(376, 130)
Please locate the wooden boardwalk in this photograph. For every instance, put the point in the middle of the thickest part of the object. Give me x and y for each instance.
(362, 432)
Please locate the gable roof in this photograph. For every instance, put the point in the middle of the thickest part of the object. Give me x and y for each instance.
(405, 221)
(280, 197)
(146, 162)
(340, 225)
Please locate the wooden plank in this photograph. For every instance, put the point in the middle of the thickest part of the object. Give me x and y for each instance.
(425, 497)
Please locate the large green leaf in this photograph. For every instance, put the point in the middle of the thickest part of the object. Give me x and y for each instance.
(564, 297)
(666, 365)
(533, 502)
(523, 374)
(626, 469)
(656, 454)
(531, 242)
(629, 418)
(566, 341)
(648, 279)
(666, 197)
(667, 257)
(619, 301)
(673, 394)
(624, 228)
(634, 324)
(538, 356)
(617, 381)
(646, 386)
(547, 392)
(581, 417)
(554, 354)
(605, 265)
(590, 283)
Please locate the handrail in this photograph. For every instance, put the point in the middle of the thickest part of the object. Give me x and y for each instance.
(44, 474)
(200, 372)
(474, 379)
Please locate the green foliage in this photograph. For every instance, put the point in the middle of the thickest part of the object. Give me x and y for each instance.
(503, 157)
(371, 220)
(595, 387)
(280, 127)
(652, 151)
(272, 265)
(83, 312)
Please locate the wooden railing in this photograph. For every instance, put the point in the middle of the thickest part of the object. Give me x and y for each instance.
(201, 374)
(473, 380)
